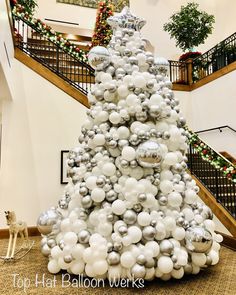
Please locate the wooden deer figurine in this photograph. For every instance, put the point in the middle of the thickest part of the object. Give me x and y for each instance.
(15, 227)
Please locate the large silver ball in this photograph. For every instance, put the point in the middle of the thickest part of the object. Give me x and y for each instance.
(198, 239)
(47, 220)
(113, 258)
(138, 271)
(129, 217)
(166, 247)
(149, 154)
(99, 57)
(83, 236)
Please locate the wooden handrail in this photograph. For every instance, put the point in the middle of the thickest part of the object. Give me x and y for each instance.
(220, 212)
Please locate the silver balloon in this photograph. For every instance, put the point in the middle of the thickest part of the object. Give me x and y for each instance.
(141, 259)
(198, 239)
(149, 154)
(188, 269)
(45, 250)
(99, 57)
(83, 236)
(51, 243)
(129, 217)
(142, 197)
(149, 233)
(86, 202)
(150, 263)
(166, 247)
(47, 220)
(138, 271)
(118, 246)
(113, 258)
(122, 230)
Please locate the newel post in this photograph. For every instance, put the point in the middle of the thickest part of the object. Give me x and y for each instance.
(189, 65)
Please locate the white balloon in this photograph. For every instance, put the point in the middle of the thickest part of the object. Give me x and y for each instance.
(56, 252)
(175, 199)
(100, 267)
(98, 195)
(99, 139)
(127, 260)
(77, 267)
(165, 264)
(53, 266)
(70, 238)
(199, 259)
(166, 186)
(123, 132)
(178, 233)
(135, 233)
(115, 118)
(118, 207)
(154, 247)
(109, 169)
(139, 81)
(77, 251)
(171, 159)
(144, 219)
(91, 182)
(128, 153)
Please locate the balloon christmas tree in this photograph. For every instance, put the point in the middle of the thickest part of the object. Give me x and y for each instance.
(130, 209)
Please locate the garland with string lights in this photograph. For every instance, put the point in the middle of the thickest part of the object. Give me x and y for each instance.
(20, 12)
(209, 155)
(102, 32)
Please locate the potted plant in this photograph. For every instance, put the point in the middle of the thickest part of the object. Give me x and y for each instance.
(190, 26)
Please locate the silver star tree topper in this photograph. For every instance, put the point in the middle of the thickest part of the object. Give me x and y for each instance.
(126, 19)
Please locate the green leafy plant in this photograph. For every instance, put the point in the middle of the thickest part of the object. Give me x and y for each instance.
(190, 26)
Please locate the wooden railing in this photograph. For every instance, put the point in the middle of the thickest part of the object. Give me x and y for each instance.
(31, 41)
(214, 171)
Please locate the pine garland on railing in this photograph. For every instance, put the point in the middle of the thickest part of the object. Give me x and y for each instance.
(211, 156)
(19, 12)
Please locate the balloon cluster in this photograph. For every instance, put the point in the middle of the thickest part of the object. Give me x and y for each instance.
(131, 209)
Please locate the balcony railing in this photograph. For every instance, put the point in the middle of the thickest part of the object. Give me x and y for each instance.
(214, 172)
(74, 71)
(215, 59)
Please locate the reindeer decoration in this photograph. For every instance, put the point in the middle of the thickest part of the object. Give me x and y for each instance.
(15, 227)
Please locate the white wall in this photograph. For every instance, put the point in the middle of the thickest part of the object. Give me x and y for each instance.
(210, 106)
(6, 54)
(156, 12)
(40, 123)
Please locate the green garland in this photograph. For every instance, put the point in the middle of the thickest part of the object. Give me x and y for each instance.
(19, 12)
(209, 155)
